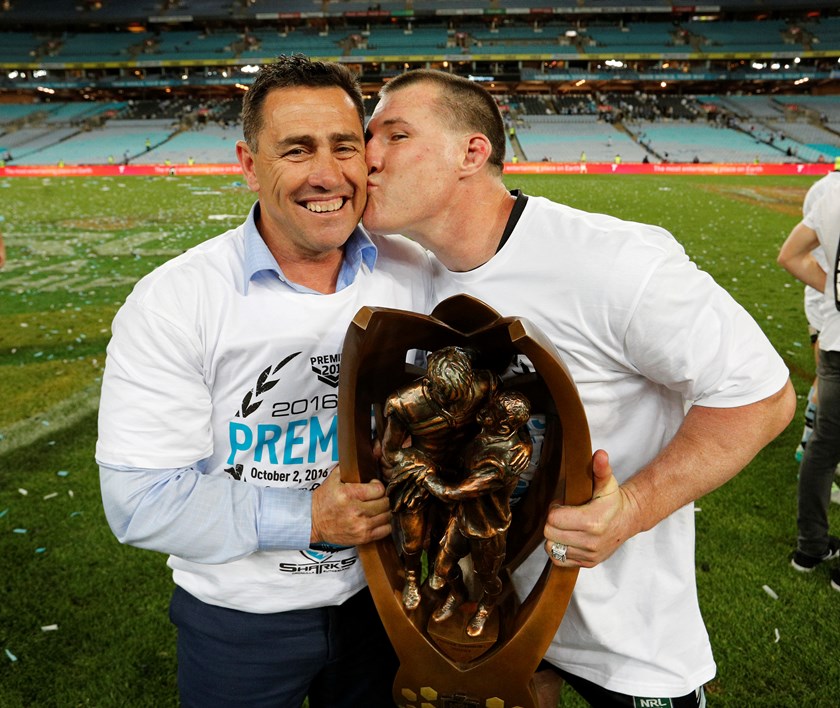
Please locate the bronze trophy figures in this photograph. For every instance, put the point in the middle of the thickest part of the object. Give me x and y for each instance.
(455, 454)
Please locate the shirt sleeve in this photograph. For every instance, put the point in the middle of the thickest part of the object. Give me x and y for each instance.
(199, 517)
(155, 407)
(687, 333)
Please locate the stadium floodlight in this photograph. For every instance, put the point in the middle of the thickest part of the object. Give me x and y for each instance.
(775, 66)
(38, 73)
(13, 74)
(758, 65)
(249, 69)
(796, 60)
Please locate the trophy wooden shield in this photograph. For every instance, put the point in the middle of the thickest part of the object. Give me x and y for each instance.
(441, 666)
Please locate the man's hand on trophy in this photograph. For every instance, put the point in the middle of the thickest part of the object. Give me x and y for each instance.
(589, 534)
(349, 514)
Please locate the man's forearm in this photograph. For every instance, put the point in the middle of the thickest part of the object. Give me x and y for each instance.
(711, 447)
(199, 517)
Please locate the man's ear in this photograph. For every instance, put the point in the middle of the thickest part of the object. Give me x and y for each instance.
(477, 153)
(246, 161)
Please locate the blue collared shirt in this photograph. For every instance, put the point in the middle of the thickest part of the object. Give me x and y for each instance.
(358, 250)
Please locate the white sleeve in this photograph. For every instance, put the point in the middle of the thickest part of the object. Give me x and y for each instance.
(688, 334)
(154, 394)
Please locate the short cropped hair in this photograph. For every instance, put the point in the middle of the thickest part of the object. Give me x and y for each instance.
(292, 72)
(465, 106)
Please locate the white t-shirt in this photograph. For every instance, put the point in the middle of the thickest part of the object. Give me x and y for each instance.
(823, 216)
(644, 334)
(199, 370)
(814, 300)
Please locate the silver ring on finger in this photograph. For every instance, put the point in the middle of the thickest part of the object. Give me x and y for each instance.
(558, 551)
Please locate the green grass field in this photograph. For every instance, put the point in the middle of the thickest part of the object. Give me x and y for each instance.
(83, 620)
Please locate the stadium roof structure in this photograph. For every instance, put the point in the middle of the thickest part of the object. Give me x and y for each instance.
(88, 12)
(115, 48)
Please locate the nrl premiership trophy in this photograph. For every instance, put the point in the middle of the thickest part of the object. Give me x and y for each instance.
(469, 492)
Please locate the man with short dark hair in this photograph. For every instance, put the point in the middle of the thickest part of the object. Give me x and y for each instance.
(678, 382)
(217, 428)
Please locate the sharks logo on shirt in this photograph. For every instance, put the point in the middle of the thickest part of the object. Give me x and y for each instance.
(317, 562)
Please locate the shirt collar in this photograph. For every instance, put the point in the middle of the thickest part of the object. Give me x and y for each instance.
(358, 250)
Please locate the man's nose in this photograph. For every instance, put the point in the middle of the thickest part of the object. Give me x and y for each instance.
(373, 158)
(326, 171)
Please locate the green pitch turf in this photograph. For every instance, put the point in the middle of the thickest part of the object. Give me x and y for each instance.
(83, 620)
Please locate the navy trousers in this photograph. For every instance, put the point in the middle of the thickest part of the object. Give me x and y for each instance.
(338, 656)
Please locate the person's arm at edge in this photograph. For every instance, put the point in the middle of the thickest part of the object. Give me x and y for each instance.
(705, 453)
(795, 256)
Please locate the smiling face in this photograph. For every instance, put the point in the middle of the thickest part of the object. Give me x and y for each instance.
(309, 171)
(413, 162)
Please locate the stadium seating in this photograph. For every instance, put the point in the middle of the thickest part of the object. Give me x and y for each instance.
(563, 138)
(134, 52)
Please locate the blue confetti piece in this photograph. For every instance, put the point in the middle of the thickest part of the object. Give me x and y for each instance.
(20, 531)
(75, 513)
(62, 473)
(11, 656)
(40, 550)
(3, 513)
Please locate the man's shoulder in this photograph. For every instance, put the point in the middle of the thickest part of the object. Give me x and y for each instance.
(592, 226)
(196, 268)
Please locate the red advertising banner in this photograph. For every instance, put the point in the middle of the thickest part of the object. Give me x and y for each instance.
(117, 170)
(668, 168)
(513, 168)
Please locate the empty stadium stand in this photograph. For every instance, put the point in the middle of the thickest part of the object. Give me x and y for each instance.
(97, 81)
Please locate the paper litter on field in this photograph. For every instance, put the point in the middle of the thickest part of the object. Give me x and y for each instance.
(770, 591)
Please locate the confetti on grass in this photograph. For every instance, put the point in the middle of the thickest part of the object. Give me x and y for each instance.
(49, 628)
(52, 495)
(770, 591)
(778, 636)
(62, 473)
(11, 656)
